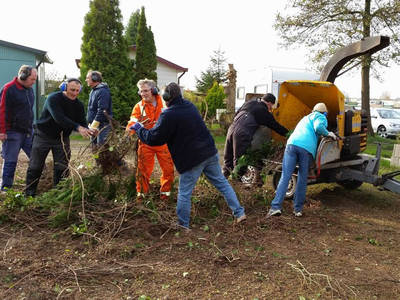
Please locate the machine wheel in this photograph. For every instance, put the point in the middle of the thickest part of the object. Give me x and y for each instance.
(292, 183)
(350, 184)
(382, 131)
(251, 176)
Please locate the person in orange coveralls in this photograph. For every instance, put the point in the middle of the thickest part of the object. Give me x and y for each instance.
(147, 111)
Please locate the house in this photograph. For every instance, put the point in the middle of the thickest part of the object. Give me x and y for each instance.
(166, 71)
(12, 56)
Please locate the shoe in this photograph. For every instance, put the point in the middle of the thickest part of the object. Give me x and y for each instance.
(139, 199)
(274, 212)
(298, 214)
(241, 219)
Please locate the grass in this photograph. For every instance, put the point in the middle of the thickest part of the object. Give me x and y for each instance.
(387, 146)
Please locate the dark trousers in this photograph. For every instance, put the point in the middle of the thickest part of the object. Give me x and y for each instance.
(236, 144)
(42, 144)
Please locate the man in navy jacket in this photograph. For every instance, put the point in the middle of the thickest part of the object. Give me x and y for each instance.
(99, 101)
(192, 149)
(16, 117)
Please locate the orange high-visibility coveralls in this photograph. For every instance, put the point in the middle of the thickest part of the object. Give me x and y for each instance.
(148, 114)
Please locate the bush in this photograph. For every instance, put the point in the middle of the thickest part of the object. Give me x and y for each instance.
(215, 99)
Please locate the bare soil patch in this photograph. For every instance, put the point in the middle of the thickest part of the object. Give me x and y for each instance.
(345, 247)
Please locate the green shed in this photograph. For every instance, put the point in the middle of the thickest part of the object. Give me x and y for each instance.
(12, 56)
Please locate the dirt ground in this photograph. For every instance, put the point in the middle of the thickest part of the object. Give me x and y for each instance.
(345, 247)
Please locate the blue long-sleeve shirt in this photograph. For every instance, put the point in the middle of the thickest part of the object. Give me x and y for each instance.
(307, 131)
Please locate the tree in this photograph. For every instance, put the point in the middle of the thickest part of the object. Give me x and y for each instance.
(216, 72)
(215, 98)
(325, 26)
(131, 29)
(105, 49)
(146, 57)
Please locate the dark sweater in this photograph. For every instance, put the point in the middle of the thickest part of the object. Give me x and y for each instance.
(61, 114)
(99, 100)
(183, 129)
(251, 115)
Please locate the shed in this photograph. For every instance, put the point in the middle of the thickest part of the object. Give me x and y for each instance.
(12, 56)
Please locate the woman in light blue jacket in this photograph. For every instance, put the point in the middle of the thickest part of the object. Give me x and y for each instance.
(301, 148)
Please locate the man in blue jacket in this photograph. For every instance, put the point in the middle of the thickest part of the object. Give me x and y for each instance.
(99, 101)
(192, 149)
(16, 117)
(301, 148)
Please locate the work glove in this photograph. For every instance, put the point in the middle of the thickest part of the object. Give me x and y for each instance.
(136, 126)
(332, 135)
(94, 125)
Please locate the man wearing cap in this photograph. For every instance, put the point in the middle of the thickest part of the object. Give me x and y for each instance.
(247, 120)
(16, 117)
(301, 149)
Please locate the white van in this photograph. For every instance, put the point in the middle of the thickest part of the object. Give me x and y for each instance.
(257, 82)
(385, 121)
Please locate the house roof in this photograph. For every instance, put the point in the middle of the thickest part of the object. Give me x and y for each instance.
(42, 54)
(159, 59)
(167, 62)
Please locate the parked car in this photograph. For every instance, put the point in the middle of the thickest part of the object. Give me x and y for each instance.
(385, 121)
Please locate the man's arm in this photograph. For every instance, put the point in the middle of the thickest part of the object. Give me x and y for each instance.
(103, 103)
(159, 134)
(3, 105)
(267, 119)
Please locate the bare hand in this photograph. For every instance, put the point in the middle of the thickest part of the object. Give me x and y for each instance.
(85, 132)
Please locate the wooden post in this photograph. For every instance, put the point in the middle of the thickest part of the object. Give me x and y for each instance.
(395, 160)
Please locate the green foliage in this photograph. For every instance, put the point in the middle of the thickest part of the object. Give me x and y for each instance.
(146, 57)
(105, 49)
(131, 29)
(216, 72)
(215, 99)
(254, 157)
(197, 99)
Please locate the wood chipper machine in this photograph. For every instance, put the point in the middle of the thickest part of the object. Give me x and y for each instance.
(336, 161)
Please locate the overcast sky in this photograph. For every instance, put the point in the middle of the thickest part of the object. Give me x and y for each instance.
(185, 32)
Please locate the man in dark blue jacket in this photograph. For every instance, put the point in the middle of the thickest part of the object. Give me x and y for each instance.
(192, 149)
(16, 117)
(99, 101)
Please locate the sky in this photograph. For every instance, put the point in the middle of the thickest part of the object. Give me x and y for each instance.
(185, 32)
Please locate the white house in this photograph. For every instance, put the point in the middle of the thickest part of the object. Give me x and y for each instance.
(166, 71)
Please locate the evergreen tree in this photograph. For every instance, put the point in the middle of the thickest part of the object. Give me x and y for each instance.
(215, 72)
(146, 57)
(131, 30)
(105, 49)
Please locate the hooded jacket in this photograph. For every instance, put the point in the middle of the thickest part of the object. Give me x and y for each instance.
(184, 131)
(99, 100)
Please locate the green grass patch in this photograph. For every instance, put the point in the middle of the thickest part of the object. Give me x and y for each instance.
(387, 146)
(76, 137)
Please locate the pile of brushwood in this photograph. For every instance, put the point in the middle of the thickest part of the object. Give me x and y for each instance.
(266, 158)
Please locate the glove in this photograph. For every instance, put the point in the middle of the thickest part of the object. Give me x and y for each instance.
(332, 135)
(136, 126)
(94, 125)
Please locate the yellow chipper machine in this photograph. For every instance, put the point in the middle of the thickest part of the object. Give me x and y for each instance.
(336, 161)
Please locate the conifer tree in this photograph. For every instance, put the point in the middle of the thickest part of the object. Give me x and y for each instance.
(146, 58)
(131, 30)
(105, 49)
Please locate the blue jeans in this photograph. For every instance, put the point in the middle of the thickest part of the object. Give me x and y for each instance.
(11, 146)
(187, 181)
(293, 155)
